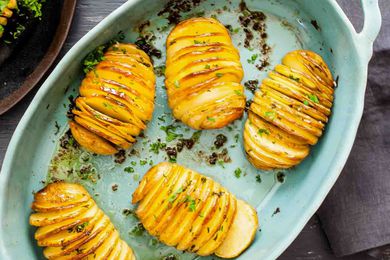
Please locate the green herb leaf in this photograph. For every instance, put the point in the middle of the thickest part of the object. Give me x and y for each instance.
(218, 74)
(210, 119)
(170, 132)
(239, 93)
(306, 102)
(270, 114)
(253, 59)
(207, 66)
(237, 173)
(263, 131)
(314, 98)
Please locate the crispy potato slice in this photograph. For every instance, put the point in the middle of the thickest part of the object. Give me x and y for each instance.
(213, 223)
(90, 246)
(59, 196)
(309, 62)
(48, 230)
(241, 233)
(152, 195)
(91, 141)
(71, 235)
(52, 217)
(187, 211)
(116, 251)
(89, 124)
(149, 180)
(192, 229)
(54, 252)
(222, 231)
(172, 193)
(103, 251)
(168, 193)
(173, 210)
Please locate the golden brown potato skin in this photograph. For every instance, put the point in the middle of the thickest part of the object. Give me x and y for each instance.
(191, 212)
(289, 111)
(71, 226)
(203, 74)
(116, 100)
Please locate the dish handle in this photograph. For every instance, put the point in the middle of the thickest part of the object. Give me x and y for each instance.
(371, 27)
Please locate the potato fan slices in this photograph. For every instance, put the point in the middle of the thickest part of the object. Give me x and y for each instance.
(191, 212)
(116, 100)
(289, 111)
(71, 226)
(203, 74)
(7, 13)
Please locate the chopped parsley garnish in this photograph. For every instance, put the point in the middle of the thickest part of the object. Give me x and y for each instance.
(97, 55)
(293, 78)
(138, 230)
(239, 93)
(270, 114)
(237, 173)
(253, 59)
(314, 98)
(198, 42)
(263, 131)
(19, 30)
(157, 146)
(129, 169)
(211, 119)
(142, 162)
(258, 178)
(236, 137)
(170, 132)
(218, 74)
(306, 102)
(207, 66)
(173, 196)
(134, 163)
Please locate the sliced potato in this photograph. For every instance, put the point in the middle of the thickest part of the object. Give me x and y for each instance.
(188, 209)
(289, 111)
(71, 235)
(241, 233)
(91, 141)
(203, 74)
(220, 235)
(116, 100)
(76, 230)
(196, 218)
(52, 217)
(59, 196)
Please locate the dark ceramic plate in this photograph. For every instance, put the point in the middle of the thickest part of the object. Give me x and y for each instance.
(33, 56)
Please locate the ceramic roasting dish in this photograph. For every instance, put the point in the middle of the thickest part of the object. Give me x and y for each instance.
(285, 200)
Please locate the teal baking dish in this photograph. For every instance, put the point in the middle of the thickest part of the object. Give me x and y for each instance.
(283, 206)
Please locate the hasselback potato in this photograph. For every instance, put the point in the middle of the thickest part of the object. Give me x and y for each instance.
(71, 226)
(116, 100)
(289, 111)
(5, 13)
(203, 74)
(189, 211)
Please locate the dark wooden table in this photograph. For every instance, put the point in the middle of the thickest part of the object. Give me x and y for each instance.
(310, 244)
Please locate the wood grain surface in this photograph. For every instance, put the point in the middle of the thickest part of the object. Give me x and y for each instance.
(310, 244)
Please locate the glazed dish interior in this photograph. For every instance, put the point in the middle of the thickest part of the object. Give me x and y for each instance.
(282, 198)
